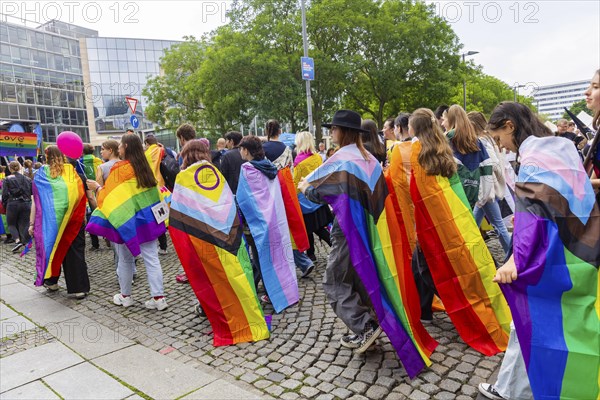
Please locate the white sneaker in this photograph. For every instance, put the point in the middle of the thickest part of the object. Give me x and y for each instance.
(121, 300)
(159, 304)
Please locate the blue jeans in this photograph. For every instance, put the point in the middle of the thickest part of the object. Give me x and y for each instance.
(126, 267)
(492, 212)
(302, 261)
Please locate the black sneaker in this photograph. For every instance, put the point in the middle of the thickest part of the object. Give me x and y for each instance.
(370, 333)
(17, 248)
(351, 341)
(488, 391)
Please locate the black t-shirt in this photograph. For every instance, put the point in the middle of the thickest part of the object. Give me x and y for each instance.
(230, 166)
(16, 187)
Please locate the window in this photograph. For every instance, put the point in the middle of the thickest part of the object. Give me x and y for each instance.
(39, 59)
(111, 43)
(112, 55)
(13, 111)
(122, 54)
(130, 44)
(92, 54)
(121, 44)
(8, 93)
(5, 53)
(24, 56)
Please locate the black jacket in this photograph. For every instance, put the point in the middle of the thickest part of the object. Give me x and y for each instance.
(231, 164)
(16, 187)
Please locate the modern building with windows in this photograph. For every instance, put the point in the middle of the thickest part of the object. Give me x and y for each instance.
(116, 68)
(41, 77)
(69, 78)
(552, 99)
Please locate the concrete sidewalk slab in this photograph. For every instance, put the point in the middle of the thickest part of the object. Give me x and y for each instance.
(32, 391)
(85, 381)
(43, 311)
(33, 364)
(6, 312)
(156, 375)
(17, 293)
(6, 280)
(15, 326)
(88, 338)
(221, 389)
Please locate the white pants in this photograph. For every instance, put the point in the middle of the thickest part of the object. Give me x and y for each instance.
(126, 268)
(513, 382)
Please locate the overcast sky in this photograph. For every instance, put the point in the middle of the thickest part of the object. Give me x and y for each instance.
(525, 42)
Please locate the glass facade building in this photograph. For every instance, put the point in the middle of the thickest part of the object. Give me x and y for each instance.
(551, 99)
(41, 77)
(119, 68)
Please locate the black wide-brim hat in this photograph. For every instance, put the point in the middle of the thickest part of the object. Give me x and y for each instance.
(346, 119)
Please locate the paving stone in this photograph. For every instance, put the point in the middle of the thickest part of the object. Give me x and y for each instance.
(465, 367)
(341, 393)
(308, 392)
(404, 389)
(290, 384)
(376, 392)
(33, 364)
(418, 395)
(275, 377)
(290, 396)
(449, 385)
(249, 377)
(262, 384)
(386, 382)
(470, 359)
(325, 397)
(216, 389)
(358, 387)
(15, 326)
(32, 391)
(325, 387)
(458, 376)
(91, 383)
(366, 376)
(445, 396)
(469, 390)
(274, 390)
(429, 388)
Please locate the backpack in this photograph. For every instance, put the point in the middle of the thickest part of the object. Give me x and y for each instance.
(169, 168)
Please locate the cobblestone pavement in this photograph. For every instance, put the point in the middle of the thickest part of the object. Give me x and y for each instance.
(302, 359)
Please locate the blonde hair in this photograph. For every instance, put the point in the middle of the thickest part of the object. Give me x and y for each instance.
(465, 137)
(436, 155)
(55, 160)
(305, 142)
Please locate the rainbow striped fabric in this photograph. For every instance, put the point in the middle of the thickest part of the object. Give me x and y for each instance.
(22, 144)
(124, 213)
(556, 297)
(207, 236)
(59, 213)
(292, 210)
(154, 154)
(90, 165)
(259, 199)
(357, 191)
(460, 263)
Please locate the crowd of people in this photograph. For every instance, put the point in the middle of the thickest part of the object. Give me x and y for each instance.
(399, 209)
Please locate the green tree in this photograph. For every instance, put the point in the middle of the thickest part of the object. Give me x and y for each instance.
(576, 108)
(174, 95)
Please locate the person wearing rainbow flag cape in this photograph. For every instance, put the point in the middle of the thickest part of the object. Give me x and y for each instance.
(57, 225)
(207, 236)
(551, 280)
(364, 269)
(131, 214)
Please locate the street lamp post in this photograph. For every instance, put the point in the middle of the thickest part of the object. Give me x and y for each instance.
(516, 90)
(305, 45)
(469, 53)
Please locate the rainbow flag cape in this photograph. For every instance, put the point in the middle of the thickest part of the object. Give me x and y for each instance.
(89, 165)
(207, 236)
(59, 213)
(357, 191)
(556, 297)
(259, 199)
(124, 213)
(23, 144)
(292, 210)
(154, 154)
(460, 263)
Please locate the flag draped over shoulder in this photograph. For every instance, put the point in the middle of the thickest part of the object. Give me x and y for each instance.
(460, 263)
(88, 165)
(304, 165)
(293, 211)
(154, 154)
(259, 199)
(207, 236)
(124, 213)
(357, 191)
(59, 212)
(555, 299)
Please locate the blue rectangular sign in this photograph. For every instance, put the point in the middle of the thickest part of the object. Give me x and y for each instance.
(308, 68)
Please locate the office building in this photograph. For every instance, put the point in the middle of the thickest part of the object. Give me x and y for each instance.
(552, 99)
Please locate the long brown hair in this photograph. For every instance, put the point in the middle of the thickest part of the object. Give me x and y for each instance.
(465, 138)
(479, 123)
(112, 145)
(55, 160)
(436, 155)
(134, 153)
(352, 136)
(194, 151)
(371, 139)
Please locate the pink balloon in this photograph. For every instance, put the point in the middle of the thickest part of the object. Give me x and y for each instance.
(70, 144)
